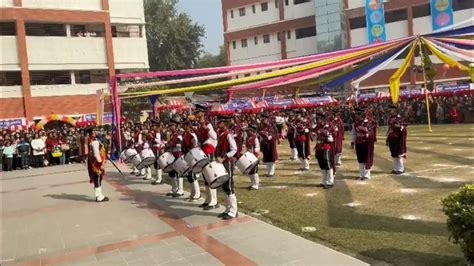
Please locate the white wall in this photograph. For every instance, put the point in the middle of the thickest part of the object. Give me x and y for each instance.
(9, 59)
(463, 15)
(397, 30)
(359, 3)
(7, 3)
(359, 37)
(127, 11)
(64, 90)
(11, 92)
(130, 53)
(94, 5)
(299, 11)
(250, 19)
(59, 53)
(261, 52)
(422, 25)
(301, 47)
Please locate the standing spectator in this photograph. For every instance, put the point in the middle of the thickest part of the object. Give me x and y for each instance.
(39, 147)
(440, 112)
(23, 152)
(8, 152)
(2, 147)
(65, 149)
(51, 146)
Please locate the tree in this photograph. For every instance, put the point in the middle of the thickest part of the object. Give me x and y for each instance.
(174, 40)
(210, 60)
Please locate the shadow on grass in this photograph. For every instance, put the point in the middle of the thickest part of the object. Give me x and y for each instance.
(75, 197)
(410, 257)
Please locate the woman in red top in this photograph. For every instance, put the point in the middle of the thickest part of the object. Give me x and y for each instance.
(51, 143)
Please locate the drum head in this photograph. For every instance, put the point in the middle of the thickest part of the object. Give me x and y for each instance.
(148, 161)
(197, 168)
(219, 181)
(250, 168)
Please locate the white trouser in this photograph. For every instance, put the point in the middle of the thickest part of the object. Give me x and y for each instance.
(270, 168)
(159, 176)
(365, 173)
(231, 208)
(398, 164)
(327, 177)
(147, 173)
(143, 171)
(195, 191)
(255, 181)
(304, 164)
(98, 193)
(294, 153)
(135, 170)
(174, 185)
(211, 196)
(180, 189)
(338, 158)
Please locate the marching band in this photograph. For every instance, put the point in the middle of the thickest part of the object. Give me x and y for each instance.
(189, 147)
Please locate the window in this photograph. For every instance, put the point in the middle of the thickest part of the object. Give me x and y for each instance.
(268, 71)
(242, 11)
(247, 75)
(255, 40)
(421, 11)
(278, 36)
(7, 29)
(234, 44)
(297, 2)
(357, 23)
(397, 15)
(276, 3)
(44, 29)
(91, 76)
(266, 38)
(126, 31)
(10, 78)
(50, 77)
(305, 32)
(254, 9)
(287, 2)
(243, 42)
(232, 14)
(288, 34)
(462, 4)
(264, 6)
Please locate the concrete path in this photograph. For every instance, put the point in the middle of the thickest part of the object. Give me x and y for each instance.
(49, 217)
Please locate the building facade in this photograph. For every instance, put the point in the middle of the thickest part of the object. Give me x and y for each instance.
(57, 53)
(267, 30)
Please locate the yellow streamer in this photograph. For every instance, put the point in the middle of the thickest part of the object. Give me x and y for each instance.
(245, 80)
(445, 58)
(395, 78)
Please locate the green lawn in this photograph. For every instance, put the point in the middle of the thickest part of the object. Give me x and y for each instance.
(392, 219)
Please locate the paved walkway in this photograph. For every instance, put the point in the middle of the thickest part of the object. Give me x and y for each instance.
(49, 217)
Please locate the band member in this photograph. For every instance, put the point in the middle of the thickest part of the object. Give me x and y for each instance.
(253, 145)
(363, 138)
(302, 143)
(96, 165)
(339, 137)
(146, 153)
(268, 144)
(291, 136)
(238, 133)
(225, 152)
(325, 153)
(190, 141)
(397, 140)
(175, 146)
(208, 140)
(158, 147)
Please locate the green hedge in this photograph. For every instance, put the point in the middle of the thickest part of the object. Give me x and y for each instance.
(459, 207)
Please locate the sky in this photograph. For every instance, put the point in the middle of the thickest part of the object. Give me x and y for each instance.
(209, 14)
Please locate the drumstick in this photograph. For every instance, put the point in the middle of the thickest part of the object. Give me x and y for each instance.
(116, 167)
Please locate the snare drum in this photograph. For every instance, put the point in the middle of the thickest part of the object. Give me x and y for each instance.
(165, 161)
(215, 174)
(181, 166)
(247, 162)
(148, 158)
(196, 159)
(128, 154)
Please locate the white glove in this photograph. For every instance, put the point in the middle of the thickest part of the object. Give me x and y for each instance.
(306, 130)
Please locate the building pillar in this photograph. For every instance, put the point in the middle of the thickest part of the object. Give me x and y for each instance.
(73, 77)
(25, 72)
(411, 33)
(68, 30)
(108, 40)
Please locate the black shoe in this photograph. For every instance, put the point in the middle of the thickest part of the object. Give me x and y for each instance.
(398, 173)
(104, 199)
(328, 186)
(222, 215)
(169, 194)
(176, 195)
(211, 207)
(320, 185)
(228, 217)
(252, 189)
(393, 172)
(156, 183)
(203, 205)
